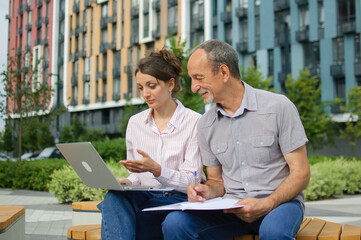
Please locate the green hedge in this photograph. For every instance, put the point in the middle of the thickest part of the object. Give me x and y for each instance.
(67, 186)
(29, 175)
(334, 177)
(110, 149)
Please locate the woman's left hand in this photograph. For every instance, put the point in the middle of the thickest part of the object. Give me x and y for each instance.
(145, 164)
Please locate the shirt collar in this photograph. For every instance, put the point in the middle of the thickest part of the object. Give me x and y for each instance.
(176, 119)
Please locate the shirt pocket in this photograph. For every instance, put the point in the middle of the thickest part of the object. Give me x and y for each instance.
(261, 148)
(222, 153)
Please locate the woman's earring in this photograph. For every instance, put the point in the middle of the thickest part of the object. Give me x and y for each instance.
(170, 92)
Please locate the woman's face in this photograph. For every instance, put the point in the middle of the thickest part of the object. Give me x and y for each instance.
(155, 92)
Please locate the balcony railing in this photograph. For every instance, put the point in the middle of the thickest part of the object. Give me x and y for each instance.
(279, 5)
(75, 8)
(242, 47)
(156, 5)
(156, 34)
(301, 2)
(128, 69)
(302, 35)
(348, 27)
(337, 70)
(242, 12)
(226, 17)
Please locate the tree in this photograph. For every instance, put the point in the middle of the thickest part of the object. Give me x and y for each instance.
(7, 139)
(26, 95)
(186, 96)
(305, 93)
(254, 78)
(352, 129)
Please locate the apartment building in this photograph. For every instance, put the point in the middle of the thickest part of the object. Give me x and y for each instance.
(92, 46)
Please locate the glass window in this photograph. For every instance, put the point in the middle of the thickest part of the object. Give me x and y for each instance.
(338, 51)
(244, 3)
(303, 17)
(104, 36)
(85, 19)
(29, 38)
(104, 10)
(357, 48)
(85, 39)
(346, 10)
(30, 17)
(87, 66)
(173, 17)
(86, 90)
(116, 85)
(75, 93)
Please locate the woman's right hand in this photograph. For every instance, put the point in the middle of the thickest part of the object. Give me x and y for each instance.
(124, 181)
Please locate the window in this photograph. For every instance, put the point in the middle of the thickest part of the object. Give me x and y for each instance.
(357, 48)
(87, 66)
(303, 17)
(85, 18)
(244, 3)
(105, 116)
(30, 17)
(75, 94)
(270, 62)
(104, 35)
(244, 30)
(29, 38)
(338, 51)
(172, 20)
(86, 90)
(346, 10)
(85, 39)
(312, 57)
(104, 10)
(228, 30)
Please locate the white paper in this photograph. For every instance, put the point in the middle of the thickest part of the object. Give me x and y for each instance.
(212, 204)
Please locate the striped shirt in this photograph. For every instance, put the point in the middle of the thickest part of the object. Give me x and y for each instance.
(175, 148)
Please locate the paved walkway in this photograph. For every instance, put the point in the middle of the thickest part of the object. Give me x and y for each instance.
(46, 219)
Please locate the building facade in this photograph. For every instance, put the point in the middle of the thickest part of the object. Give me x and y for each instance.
(92, 46)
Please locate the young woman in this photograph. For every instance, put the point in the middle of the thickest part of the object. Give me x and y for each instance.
(162, 149)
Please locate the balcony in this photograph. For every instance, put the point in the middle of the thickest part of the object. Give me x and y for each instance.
(45, 64)
(45, 41)
(61, 16)
(116, 96)
(61, 37)
(87, 3)
(279, 5)
(86, 77)
(156, 34)
(156, 5)
(301, 2)
(38, 23)
(85, 101)
(282, 77)
(127, 95)
(112, 19)
(20, 10)
(116, 72)
(134, 39)
(103, 98)
(19, 31)
(103, 48)
(103, 75)
(128, 69)
(321, 32)
(348, 27)
(172, 29)
(81, 54)
(27, 7)
(28, 26)
(112, 46)
(358, 68)
(337, 70)
(27, 48)
(60, 60)
(18, 51)
(172, 3)
(302, 35)
(226, 17)
(134, 12)
(45, 20)
(74, 102)
(39, 3)
(281, 39)
(74, 81)
(47, 1)
(75, 8)
(315, 70)
(37, 42)
(242, 47)
(103, 23)
(198, 23)
(242, 12)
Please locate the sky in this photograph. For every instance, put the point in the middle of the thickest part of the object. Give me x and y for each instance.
(4, 9)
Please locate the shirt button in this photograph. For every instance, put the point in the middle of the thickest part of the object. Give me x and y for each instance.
(217, 149)
(261, 143)
(243, 163)
(237, 142)
(246, 184)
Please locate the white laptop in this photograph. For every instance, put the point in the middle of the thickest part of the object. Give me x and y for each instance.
(93, 171)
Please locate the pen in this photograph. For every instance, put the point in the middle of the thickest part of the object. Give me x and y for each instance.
(195, 178)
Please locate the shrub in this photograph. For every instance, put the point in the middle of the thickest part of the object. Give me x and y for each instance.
(111, 149)
(334, 177)
(68, 187)
(30, 175)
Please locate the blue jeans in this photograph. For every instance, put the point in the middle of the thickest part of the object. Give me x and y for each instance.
(281, 223)
(122, 216)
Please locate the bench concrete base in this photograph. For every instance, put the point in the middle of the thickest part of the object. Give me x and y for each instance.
(85, 213)
(12, 222)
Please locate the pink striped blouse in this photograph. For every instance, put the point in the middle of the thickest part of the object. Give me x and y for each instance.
(175, 149)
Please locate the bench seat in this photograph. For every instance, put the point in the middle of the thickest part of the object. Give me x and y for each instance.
(311, 228)
(12, 222)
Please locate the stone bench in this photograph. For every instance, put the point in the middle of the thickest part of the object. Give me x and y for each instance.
(12, 222)
(311, 228)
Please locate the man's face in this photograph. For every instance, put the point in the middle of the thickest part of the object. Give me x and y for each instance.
(204, 82)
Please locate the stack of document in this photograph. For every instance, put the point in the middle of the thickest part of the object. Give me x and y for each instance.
(212, 204)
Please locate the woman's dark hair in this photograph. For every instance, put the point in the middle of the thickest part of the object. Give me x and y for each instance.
(163, 65)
